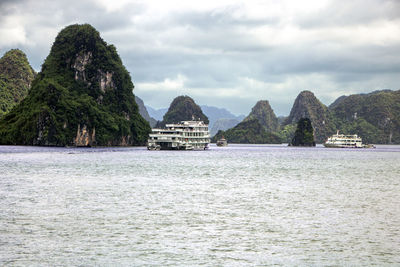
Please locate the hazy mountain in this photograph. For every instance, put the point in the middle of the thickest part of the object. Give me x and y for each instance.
(144, 113)
(215, 113)
(157, 114)
(223, 124)
(82, 97)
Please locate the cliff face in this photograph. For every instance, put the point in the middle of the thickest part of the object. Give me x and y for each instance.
(16, 76)
(308, 106)
(248, 132)
(82, 97)
(183, 108)
(263, 112)
(143, 111)
(375, 116)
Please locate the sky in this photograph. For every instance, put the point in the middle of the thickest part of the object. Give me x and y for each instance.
(228, 54)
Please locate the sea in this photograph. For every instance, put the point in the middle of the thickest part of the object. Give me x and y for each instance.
(240, 205)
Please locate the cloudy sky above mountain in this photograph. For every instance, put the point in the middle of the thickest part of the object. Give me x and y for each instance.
(227, 53)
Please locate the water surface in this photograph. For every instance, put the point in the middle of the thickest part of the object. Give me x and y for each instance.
(231, 206)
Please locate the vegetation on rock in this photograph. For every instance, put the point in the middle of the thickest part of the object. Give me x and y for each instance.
(263, 112)
(307, 105)
(304, 134)
(82, 97)
(248, 132)
(183, 108)
(16, 76)
(375, 116)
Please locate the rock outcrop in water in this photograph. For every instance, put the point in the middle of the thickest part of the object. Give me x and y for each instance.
(263, 112)
(307, 105)
(304, 134)
(16, 76)
(183, 108)
(255, 128)
(248, 132)
(82, 97)
(374, 116)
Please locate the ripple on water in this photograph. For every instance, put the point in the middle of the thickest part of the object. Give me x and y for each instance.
(235, 206)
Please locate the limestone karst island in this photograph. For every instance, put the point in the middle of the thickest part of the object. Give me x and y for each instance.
(83, 96)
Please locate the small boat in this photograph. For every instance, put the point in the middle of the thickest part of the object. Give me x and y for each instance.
(222, 142)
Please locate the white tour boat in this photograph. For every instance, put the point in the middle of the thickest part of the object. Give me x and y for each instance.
(344, 141)
(222, 142)
(187, 135)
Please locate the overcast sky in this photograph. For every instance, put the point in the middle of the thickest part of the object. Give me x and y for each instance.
(227, 53)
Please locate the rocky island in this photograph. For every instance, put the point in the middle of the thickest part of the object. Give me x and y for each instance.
(257, 128)
(183, 108)
(304, 134)
(82, 97)
(16, 76)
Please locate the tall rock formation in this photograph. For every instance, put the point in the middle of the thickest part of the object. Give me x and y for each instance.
(16, 76)
(183, 108)
(374, 116)
(143, 111)
(308, 106)
(82, 97)
(304, 134)
(263, 112)
(248, 132)
(259, 127)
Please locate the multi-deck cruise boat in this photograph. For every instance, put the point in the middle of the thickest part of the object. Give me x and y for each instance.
(344, 141)
(187, 135)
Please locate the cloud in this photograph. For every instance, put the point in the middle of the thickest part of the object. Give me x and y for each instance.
(228, 53)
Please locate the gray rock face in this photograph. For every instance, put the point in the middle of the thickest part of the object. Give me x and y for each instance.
(308, 106)
(263, 112)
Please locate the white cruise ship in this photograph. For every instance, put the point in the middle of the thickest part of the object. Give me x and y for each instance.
(344, 141)
(187, 135)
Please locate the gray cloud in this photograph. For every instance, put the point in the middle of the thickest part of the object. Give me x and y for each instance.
(224, 56)
(355, 12)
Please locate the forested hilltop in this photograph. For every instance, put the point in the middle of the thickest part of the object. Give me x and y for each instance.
(16, 76)
(183, 108)
(374, 116)
(82, 97)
